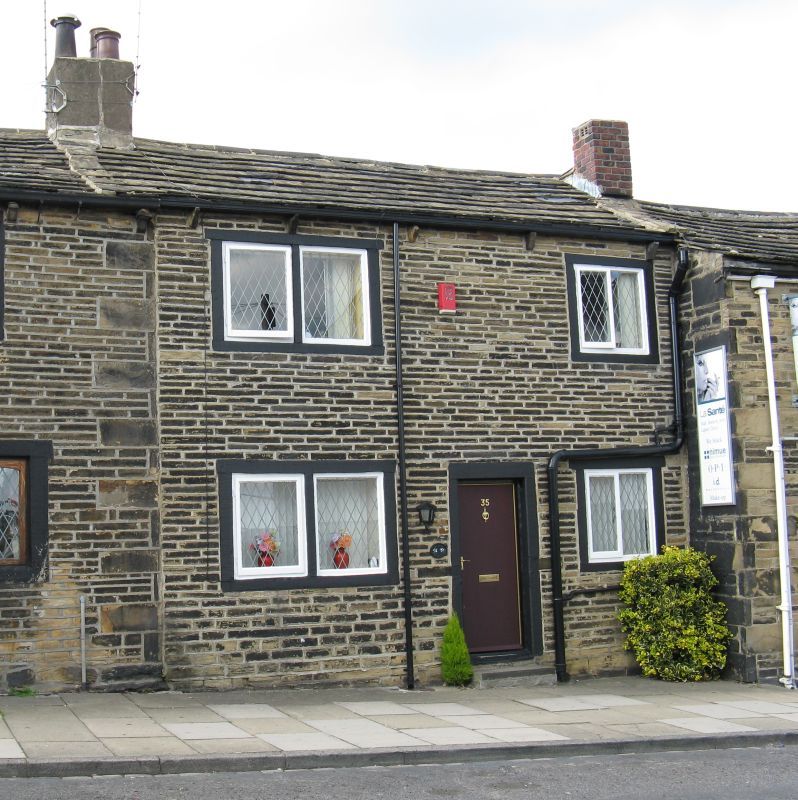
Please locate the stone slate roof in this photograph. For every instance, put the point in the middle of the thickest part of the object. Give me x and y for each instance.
(205, 174)
(747, 235)
(29, 160)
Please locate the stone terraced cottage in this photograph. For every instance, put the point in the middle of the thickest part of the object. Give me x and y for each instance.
(268, 418)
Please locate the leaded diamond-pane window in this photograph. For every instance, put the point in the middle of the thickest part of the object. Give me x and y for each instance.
(279, 292)
(595, 308)
(297, 521)
(620, 514)
(333, 294)
(270, 531)
(13, 514)
(258, 291)
(349, 522)
(611, 309)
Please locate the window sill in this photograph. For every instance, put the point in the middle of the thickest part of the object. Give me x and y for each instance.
(20, 573)
(249, 346)
(316, 582)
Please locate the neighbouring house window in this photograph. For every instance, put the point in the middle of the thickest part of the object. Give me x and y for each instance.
(285, 292)
(611, 309)
(620, 512)
(304, 523)
(13, 511)
(23, 509)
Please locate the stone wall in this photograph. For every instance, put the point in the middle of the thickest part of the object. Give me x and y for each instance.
(493, 382)
(743, 538)
(77, 367)
(108, 354)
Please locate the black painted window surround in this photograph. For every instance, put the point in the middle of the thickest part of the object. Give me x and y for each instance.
(598, 287)
(626, 493)
(33, 458)
(298, 504)
(291, 293)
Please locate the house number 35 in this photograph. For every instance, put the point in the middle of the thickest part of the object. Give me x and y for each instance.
(485, 502)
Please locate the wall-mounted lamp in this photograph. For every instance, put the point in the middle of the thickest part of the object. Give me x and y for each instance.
(426, 515)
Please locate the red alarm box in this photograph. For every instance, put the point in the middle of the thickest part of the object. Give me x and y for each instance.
(447, 298)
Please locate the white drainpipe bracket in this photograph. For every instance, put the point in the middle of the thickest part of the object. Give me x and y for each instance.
(763, 282)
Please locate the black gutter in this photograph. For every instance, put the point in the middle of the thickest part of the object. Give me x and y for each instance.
(130, 203)
(400, 424)
(614, 452)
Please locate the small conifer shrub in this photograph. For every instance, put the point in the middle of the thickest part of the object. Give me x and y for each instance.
(674, 626)
(456, 669)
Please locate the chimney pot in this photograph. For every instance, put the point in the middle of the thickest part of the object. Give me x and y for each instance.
(107, 42)
(93, 41)
(65, 35)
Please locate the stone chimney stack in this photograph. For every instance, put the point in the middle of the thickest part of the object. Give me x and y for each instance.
(89, 100)
(602, 163)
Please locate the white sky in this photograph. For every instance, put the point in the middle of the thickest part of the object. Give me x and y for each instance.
(708, 87)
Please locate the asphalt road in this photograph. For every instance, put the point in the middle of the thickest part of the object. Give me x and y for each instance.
(767, 773)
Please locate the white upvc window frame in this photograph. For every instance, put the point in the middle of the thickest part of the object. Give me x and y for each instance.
(605, 556)
(365, 340)
(256, 335)
(382, 556)
(299, 570)
(610, 345)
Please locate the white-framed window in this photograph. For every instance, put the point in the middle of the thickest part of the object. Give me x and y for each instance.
(307, 523)
(258, 297)
(285, 292)
(269, 534)
(619, 509)
(335, 302)
(611, 309)
(350, 508)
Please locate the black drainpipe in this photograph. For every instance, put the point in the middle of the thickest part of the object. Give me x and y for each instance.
(615, 452)
(400, 422)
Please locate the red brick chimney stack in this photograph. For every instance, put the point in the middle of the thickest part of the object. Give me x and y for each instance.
(601, 156)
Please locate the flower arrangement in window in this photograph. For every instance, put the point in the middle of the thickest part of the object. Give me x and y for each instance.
(267, 546)
(339, 542)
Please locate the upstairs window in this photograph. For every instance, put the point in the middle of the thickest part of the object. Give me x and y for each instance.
(611, 308)
(302, 293)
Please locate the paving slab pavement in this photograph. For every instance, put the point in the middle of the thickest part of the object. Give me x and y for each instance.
(168, 732)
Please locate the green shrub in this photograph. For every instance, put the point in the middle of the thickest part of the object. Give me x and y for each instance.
(456, 669)
(674, 626)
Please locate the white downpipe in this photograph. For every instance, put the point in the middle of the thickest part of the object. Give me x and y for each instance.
(793, 306)
(760, 284)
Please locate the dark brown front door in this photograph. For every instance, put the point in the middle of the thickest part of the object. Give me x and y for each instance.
(489, 566)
